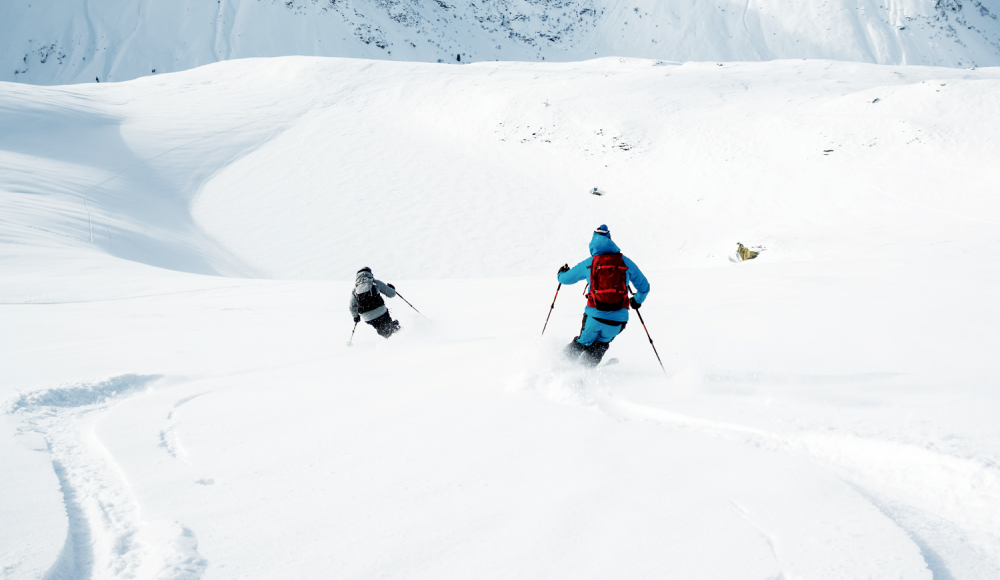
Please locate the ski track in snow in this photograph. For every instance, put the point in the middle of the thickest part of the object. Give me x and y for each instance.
(172, 444)
(960, 498)
(170, 441)
(742, 512)
(106, 538)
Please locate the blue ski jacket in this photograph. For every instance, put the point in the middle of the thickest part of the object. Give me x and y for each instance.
(601, 244)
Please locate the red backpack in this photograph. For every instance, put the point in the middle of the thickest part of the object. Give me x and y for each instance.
(608, 283)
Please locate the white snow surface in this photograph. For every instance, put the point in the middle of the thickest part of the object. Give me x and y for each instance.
(77, 41)
(178, 400)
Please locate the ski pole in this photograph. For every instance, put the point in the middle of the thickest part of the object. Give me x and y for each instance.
(551, 308)
(351, 342)
(411, 306)
(651, 342)
(639, 314)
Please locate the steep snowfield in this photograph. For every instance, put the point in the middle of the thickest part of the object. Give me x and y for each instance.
(76, 41)
(178, 400)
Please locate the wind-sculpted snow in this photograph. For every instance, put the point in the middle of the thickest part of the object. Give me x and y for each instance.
(73, 41)
(180, 182)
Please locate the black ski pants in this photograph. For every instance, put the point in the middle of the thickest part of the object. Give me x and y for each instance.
(384, 325)
(591, 355)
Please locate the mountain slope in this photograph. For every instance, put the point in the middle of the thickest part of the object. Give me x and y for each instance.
(71, 41)
(834, 396)
(334, 155)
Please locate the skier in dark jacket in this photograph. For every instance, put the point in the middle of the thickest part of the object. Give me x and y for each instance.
(608, 273)
(367, 303)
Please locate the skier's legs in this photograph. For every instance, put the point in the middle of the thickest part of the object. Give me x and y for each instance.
(384, 325)
(593, 342)
(388, 327)
(591, 355)
(574, 348)
(595, 352)
(597, 331)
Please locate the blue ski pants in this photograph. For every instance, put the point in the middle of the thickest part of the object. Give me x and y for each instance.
(602, 332)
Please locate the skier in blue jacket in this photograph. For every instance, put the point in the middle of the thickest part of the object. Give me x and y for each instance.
(608, 273)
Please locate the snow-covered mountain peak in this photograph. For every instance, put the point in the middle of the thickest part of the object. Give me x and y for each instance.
(71, 41)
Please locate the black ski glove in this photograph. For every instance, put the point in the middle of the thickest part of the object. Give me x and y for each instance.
(564, 268)
(357, 319)
(635, 305)
(391, 286)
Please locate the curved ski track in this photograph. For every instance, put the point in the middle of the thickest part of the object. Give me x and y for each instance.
(960, 497)
(107, 539)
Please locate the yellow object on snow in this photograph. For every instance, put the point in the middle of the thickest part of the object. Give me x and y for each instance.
(745, 253)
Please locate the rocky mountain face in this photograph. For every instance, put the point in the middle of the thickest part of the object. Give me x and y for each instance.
(73, 41)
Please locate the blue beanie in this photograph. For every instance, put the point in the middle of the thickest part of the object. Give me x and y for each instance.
(603, 230)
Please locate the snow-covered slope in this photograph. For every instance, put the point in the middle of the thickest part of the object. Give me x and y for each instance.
(829, 409)
(342, 157)
(72, 41)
